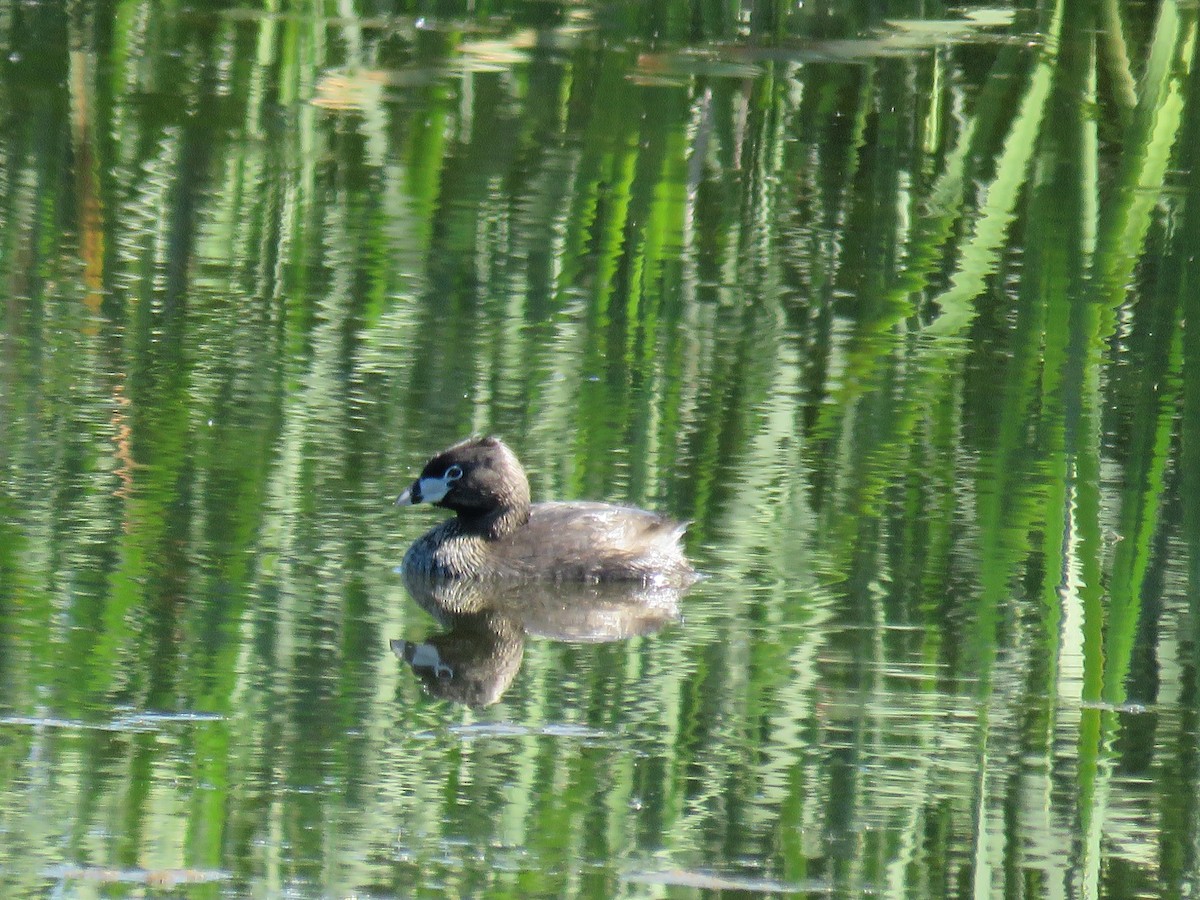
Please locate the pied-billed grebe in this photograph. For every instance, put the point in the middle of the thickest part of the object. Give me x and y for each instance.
(498, 533)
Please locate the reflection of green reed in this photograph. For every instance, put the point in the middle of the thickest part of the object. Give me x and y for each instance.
(866, 324)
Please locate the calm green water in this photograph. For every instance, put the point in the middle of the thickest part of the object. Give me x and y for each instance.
(899, 307)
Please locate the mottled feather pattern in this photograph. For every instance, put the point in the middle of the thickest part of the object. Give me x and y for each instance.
(497, 534)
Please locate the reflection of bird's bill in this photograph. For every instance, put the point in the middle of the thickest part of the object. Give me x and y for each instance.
(422, 656)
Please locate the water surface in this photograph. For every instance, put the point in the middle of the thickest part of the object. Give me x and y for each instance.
(894, 309)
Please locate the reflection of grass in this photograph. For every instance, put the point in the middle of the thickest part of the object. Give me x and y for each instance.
(861, 332)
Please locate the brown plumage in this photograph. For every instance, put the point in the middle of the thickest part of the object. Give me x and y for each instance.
(498, 534)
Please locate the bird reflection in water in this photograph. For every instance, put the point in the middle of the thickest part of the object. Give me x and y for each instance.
(476, 658)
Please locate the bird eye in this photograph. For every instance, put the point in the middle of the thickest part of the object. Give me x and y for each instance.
(454, 473)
